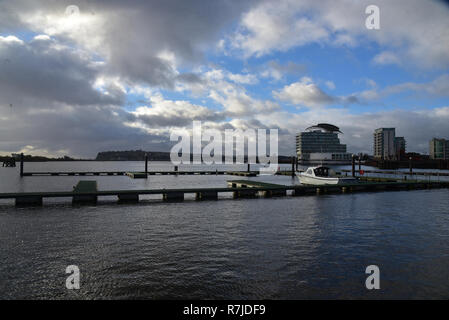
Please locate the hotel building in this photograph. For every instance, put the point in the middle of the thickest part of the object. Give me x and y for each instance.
(320, 144)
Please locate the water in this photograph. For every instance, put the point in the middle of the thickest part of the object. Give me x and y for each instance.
(280, 248)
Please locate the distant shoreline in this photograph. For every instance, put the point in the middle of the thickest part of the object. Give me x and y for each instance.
(130, 155)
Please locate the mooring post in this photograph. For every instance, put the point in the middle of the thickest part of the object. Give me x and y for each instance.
(248, 166)
(146, 164)
(353, 165)
(21, 164)
(410, 165)
(360, 162)
(176, 169)
(293, 167)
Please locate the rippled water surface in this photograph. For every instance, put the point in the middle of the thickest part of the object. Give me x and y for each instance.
(290, 248)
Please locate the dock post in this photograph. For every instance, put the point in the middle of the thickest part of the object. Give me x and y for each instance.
(353, 165)
(146, 164)
(410, 165)
(23, 201)
(298, 192)
(128, 197)
(173, 196)
(293, 167)
(21, 165)
(206, 195)
(176, 170)
(248, 166)
(360, 162)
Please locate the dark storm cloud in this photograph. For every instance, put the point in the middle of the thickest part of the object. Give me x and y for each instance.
(80, 131)
(37, 73)
(190, 78)
(136, 36)
(49, 83)
(157, 44)
(134, 33)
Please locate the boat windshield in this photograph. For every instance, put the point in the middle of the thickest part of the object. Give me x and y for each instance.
(322, 172)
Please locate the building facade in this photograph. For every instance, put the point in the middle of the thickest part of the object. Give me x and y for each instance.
(439, 149)
(400, 147)
(384, 143)
(320, 144)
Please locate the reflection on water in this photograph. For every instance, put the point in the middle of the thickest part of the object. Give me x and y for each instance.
(292, 247)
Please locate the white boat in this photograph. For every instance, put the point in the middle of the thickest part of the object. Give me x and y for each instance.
(322, 175)
(269, 169)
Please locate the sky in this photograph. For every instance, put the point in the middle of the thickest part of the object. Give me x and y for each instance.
(80, 77)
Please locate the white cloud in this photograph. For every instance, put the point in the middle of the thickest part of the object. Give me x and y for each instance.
(330, 85)
(405, 29)
(243, 78)
(386, 57)
(304, 93)
(226, 89)
(276, 25)
(277, 71)
(172, 113)
(439, 87)
(10, 39)
(237, 102)
(42, 37)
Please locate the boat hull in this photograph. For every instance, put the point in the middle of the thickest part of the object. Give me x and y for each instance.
(306, 179)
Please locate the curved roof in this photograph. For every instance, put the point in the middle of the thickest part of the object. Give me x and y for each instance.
(326, 127)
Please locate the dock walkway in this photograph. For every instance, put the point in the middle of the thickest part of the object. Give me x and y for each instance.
(140, 173)
(239, 188)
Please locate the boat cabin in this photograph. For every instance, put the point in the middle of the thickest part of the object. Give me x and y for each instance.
(321, 172)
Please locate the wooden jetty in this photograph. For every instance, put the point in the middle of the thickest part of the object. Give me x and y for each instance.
(136, 175)
(86, 191)
(75, 173)
(402, 173)
(344, 172)
(269, 189)
(141, 174)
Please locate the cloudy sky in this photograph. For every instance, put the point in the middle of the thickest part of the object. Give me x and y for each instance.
(79, 77)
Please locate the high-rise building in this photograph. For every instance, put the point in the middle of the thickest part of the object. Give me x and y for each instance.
(320, 144)
(439, 149)
(384, 143)
(399, 146)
